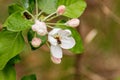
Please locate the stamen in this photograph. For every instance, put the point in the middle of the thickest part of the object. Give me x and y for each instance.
(57, 37)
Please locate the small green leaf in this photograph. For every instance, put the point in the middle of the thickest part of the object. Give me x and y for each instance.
(47, 6)
(29, 77)
(74, 8)
(28, 4)
(78, 48)
(11, 44)
(17, 22)
(14, 7)
(8, 73)
(31, 36)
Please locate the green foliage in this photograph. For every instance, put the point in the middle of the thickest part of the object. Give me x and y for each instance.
(29, 77)
(31, 36)
(17, 22)
(47, 6)
(11, 44)
(14, 7)
(28, 5)
(15, 60)
(74, 8)
(78, 48)
(8, 73)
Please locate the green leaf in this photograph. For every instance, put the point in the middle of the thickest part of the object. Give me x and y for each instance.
(14, 7)
(28, 4)
(17, 22)
(11, 44)
(15, 60)
(31, 36)
(8, 73)
(78, 48)
(74, 8)
(47, 6)
(29, 77)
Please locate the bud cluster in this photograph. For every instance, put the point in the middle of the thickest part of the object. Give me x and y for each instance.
(40, 28)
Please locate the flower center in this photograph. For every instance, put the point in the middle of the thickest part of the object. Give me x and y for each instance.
(57, 37)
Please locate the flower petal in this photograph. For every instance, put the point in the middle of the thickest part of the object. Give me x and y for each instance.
(67, 43)
(52, 40)
(54, 31)
(56, 60)
(64, 33)
(56, 51)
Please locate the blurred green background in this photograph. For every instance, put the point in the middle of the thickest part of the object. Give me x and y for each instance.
(100, 31)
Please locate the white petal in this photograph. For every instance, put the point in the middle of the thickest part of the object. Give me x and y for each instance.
(68, 31)
(67, 43)
(52, 40)
(63, 33)
(56, 60)
(56, 51)
(54, 31)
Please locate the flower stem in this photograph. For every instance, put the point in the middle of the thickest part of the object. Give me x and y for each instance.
(55, 24)
(40, 13)
(50, 26)
(36, 9)
(48, 44)
(49, 16)
(53, 17)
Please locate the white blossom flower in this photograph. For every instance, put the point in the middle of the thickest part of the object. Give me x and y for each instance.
(73, 22)
(40, 28)
(59, 39)
(61, 9)
(36, 42)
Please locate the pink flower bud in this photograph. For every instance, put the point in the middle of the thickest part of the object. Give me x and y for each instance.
(40, 28)
(36, 42)
(42, 32)
(61, 10)
(56, 60)
(35, 26)
(73, 22)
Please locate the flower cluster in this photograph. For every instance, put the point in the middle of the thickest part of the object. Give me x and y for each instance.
(58, 38)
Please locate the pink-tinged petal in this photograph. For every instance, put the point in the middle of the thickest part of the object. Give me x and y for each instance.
(40, 28)
(56, 51)
(61, 10)
(35, 27)
(67, 43)
(73, 22)
(36, 42)
(56, 60)
(41, 32)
